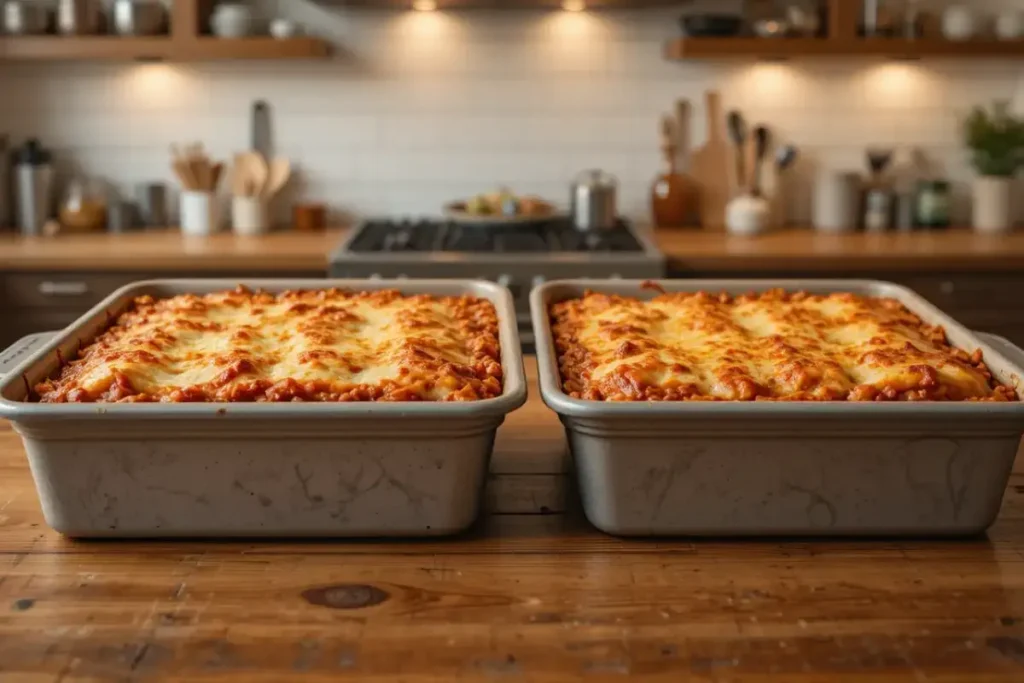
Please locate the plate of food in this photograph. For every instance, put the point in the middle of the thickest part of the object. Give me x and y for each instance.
(500, 207)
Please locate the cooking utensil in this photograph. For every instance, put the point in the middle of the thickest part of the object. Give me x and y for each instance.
(25, 18)
(261, 136)
(683, 124)
(194, 169)
(738, 135)
(594, 201)
(710, 167)
(785, 156)
(79, 17)
(761, 141)
(267, 469)
(278, 173)
(783, 468)
(33, 180)
(139, 17)
(254, 171)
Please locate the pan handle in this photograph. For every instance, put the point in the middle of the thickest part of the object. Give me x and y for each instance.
(1004, 346)
(13, 354)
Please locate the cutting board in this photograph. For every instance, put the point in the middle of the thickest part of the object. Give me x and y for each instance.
(710, 166)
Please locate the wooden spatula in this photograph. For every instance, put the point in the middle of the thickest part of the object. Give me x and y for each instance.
(710, 167)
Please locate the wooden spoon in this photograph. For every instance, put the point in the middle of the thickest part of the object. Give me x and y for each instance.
(279, 173)
(255, 171)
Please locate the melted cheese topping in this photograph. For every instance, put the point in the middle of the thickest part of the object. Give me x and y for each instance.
(770, 346)
(328, 345)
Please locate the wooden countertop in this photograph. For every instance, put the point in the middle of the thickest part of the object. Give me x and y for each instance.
(170, 250)
(805, 249)
(537, 598)
(688, 250)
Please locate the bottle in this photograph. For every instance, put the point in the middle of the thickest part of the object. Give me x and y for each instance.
(932, 208)
(33, 178)
(672, 193)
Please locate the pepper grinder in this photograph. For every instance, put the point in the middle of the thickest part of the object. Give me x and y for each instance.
(672, 192)
(33, 174)
(879, 199)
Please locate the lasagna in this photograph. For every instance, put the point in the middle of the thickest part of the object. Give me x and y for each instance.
(327, 345)
(774, 346)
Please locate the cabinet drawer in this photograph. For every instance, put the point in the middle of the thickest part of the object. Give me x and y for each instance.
(79, 291)
(988, 292)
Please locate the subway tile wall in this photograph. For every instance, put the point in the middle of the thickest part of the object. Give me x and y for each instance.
(419, 108)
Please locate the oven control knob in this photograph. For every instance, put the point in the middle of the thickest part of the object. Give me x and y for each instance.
(538, 280)
(504, 279)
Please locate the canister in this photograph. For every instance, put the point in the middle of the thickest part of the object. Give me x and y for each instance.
(836, 201)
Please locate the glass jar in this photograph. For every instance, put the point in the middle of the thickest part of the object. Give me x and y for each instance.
(933, 204)
(83, 207)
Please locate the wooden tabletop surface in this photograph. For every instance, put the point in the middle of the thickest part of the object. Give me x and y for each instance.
(693, 250)
(534, 598)
(808, 250)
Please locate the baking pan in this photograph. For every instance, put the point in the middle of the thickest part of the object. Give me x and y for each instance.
(786, 468)
(265, 469)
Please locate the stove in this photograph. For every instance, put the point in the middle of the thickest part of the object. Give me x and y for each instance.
(519, 257)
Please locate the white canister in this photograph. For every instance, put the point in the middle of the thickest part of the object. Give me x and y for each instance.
(249, 215)
(992, 204)
(200, 213)
(748, 215)
(1010, 25)
(959, 22)
(836, 201)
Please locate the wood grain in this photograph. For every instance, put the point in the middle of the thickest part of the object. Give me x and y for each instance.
(710, 165)
(170, 250)
(804, 250)
(797, 248)
(521, 597)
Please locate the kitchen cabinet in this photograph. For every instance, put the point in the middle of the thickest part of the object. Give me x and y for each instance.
(40, 301)
(985, 301)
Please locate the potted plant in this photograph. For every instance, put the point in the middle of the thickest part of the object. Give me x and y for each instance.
(996, 140)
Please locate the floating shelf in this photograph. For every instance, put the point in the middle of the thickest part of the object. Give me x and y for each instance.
(164, 48)
(795, 48)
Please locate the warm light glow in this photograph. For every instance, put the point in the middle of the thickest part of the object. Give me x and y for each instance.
(573, 5)
(899, 84)
(770, 84)
(153, 84)
(424, 5)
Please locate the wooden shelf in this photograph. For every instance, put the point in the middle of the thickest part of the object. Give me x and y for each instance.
(795, 48)
(163, 48)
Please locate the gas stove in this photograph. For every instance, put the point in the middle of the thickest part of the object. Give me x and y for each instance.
(519, 257)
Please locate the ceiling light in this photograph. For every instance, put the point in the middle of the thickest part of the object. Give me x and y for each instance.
(573, 5)
(424, 5)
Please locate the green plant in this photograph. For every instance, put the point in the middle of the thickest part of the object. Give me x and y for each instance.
(996, 140)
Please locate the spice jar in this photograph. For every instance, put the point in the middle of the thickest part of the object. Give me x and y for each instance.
(932, 205)
(83, 208)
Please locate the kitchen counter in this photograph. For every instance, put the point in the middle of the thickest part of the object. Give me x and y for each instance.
(533, 597)
(688, 250)
(169, 250)
(806, 250)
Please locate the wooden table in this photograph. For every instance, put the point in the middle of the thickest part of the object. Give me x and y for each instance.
(522, 597)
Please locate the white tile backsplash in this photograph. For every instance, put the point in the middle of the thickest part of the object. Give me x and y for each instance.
(420, 108)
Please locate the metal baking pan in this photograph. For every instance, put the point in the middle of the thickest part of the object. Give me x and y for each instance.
(258, 469)
(786, 468)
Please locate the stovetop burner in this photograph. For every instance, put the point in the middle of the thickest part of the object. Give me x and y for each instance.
(554, 236)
